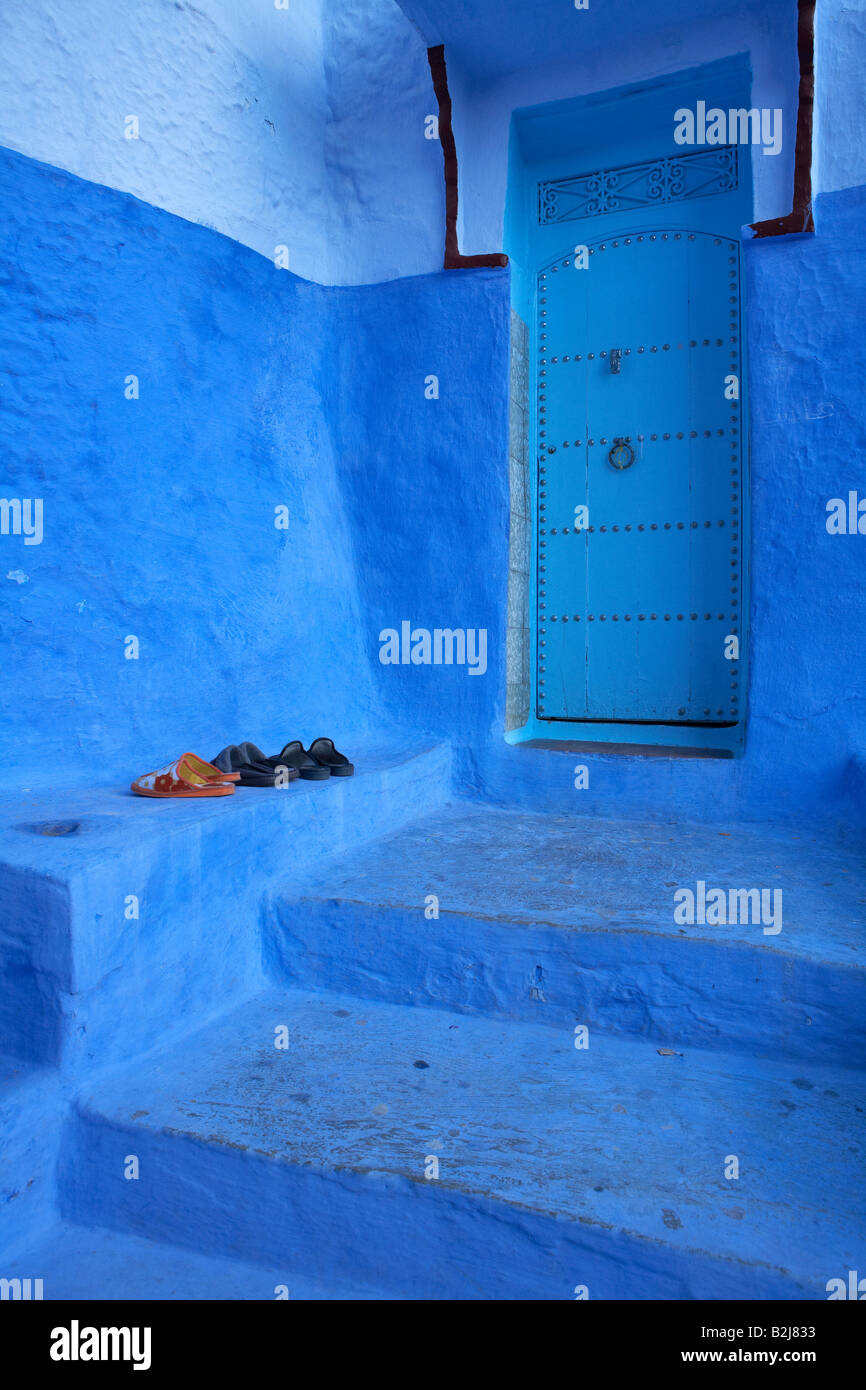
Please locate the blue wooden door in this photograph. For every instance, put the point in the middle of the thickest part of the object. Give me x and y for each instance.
(639, 480)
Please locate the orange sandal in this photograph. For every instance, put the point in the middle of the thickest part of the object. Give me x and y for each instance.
(188, 775)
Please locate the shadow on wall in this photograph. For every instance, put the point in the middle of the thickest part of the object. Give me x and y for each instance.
(420, 404)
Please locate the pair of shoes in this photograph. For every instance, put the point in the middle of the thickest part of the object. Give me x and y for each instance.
(252, 767)
(255, 769)
(187, 776)
(318, 761)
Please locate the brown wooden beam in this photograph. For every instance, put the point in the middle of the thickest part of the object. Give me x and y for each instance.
(800, 219)
(453, 258)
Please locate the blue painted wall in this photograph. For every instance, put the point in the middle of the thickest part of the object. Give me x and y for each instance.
(231, 102)
(257, 391)
(383, 160)
(425, 482)
(159, 513)
(260, 390)
(301, 126)
(807, 298)
(433, 469)
(839, 152)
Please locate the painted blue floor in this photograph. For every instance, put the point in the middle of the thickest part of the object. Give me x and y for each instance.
(552, 919)
(616, 875)
(75, 1263)
(558, 1166)
(314, 1166)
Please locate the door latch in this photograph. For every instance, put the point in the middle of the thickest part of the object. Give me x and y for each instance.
(615, 355)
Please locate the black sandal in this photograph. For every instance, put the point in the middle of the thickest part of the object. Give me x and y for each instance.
(323, 752)
(308, 768)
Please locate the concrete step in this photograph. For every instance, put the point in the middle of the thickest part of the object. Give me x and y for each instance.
(143, 917)
(559, 1167)
(77, 1264)
(565, 920)
(32, 1104)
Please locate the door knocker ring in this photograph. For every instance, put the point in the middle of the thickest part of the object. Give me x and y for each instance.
(621, 455)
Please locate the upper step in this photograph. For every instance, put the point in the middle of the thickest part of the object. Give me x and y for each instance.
(563, 920)
(610, 1166)
(142, 917)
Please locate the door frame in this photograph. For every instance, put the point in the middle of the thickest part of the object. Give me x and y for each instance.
(693, 739)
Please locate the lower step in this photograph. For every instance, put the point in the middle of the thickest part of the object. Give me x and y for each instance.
(74, 1263)
(32, 1104)
(439, 1156)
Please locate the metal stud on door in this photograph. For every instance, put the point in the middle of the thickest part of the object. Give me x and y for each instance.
(639, 481)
